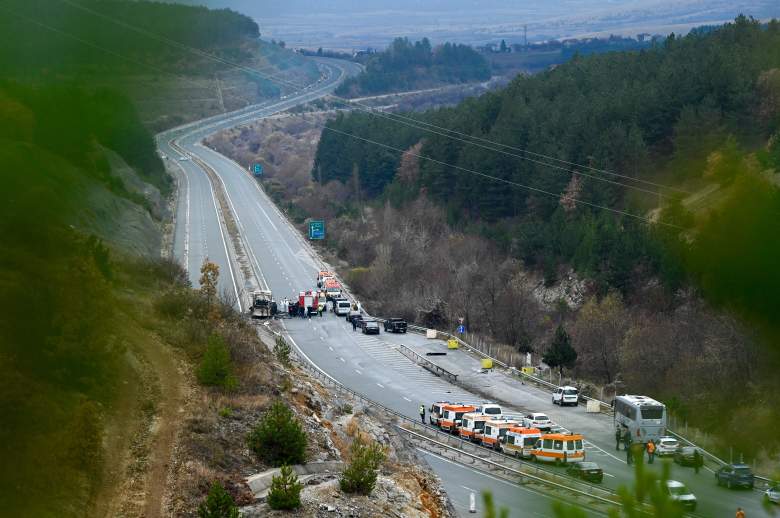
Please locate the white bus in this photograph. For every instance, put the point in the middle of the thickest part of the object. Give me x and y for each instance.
(644, 417)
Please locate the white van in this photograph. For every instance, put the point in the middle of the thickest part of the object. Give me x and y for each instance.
(566, 396)
(341, 307)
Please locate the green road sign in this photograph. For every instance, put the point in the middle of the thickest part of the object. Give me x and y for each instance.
(317, 229)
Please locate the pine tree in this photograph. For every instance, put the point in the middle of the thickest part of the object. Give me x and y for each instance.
(560, 354)
(285, 492)
(218, 504)
(278, 438)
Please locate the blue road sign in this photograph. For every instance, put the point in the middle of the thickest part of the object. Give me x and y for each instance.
(317, 229)
(258, 169)
(461, 329)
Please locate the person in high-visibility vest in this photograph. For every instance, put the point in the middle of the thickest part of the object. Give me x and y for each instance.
(740, 513)
(422, 413)
(650, 451)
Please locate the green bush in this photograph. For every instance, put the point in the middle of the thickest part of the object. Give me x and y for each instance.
(285, 492)
(282, 351)
(218, 504)
(360, 475)
(278, 438)
(216, 368)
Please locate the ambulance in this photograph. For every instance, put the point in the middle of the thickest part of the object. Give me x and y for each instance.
(452, 416)
(472, 425)
(494, 432)
(519, 441)
(559, 448)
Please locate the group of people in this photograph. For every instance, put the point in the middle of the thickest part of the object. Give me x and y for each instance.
(297, 309)
(636, 450)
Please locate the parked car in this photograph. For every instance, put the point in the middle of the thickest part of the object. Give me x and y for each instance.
(395, 325)
(686, 456)
(537, 420)
(589, 471)
(354, 315)
(735, 475)
(772, 495)
(679, 493)
(666, 446)
(369, 326)
(565, 396)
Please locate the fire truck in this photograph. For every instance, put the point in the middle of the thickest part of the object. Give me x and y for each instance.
(309, 301)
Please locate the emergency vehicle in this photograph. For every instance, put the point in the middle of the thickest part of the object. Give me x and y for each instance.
(332, 289)
(519, 441)
(472, 425)
(322, 276)
(436, 411)
(452, 416)
(558, 448)
(494, 432)
(309, 300)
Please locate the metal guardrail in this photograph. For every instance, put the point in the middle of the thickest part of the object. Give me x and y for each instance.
(604, 406)
(585, 488)
(523, 476)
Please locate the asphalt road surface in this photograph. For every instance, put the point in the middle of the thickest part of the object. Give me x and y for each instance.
(369, 364)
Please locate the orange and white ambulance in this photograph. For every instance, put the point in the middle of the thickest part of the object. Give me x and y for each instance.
(452, 415)
(495, 429)
(472, 425)
(519, 441)
(559, 448)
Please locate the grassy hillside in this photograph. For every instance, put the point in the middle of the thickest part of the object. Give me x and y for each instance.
(161, 55)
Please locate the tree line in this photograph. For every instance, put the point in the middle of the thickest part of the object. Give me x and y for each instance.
(407, 66)
(632, 112)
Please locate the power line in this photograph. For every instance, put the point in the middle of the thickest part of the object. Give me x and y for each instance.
(415, 123)
(325, 127)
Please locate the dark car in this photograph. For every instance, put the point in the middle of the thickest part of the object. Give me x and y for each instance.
(395, 325)
(735, 475)
(686, 456)
(589, 471)
(369, 326)
(354, 315)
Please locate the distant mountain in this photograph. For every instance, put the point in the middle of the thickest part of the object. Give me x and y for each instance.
(376, 23)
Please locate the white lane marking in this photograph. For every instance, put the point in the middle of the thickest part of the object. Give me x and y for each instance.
(380, 385)
(467, 488)
(406, 398)
(608, 475)
(330, 348)
(224, 244)
(342, 359)
(604, 452)
(356, 370)
(322, 338)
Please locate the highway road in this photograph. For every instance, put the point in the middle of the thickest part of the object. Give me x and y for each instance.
(285, 263)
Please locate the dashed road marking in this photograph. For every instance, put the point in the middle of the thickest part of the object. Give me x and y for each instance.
(356, 370)
(380, 385)
(342, 359)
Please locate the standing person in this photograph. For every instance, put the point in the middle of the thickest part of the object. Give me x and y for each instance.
(354, 324)
(650, 451)
(629, 453)
(422, 413)
(698, 460)
(740, 513)
(618, 438)
(319, 311)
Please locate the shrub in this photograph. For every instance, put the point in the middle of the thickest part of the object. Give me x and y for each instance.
(216, 368)
(218, 504)
(360, 475)
(282, 351)
(285, 492)
(278, 438)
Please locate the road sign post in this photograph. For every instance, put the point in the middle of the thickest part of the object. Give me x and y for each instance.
(316, 230)
(461, 329)
(257, 169)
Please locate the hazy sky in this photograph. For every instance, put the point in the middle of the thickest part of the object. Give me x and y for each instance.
(353, 23)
